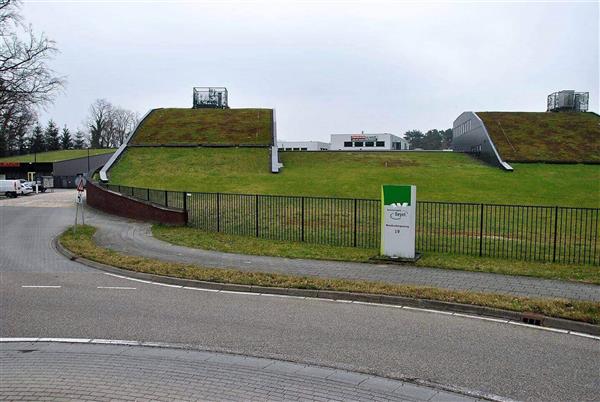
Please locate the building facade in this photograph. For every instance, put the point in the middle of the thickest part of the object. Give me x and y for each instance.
(302, 146)
(64, 172)
(368, 142)
(470, 135)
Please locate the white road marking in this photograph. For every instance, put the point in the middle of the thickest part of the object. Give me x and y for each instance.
(40, 286)
(201, 289)
(473, 317)
(115, 287)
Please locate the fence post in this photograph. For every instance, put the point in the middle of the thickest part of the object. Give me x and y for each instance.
(354, 222)
(555, 233)
(166, 198)
(256, 213)
(481, 232)
(218, 212)
(147, 194)
(120, 189)
(302, 229)
(185, 201)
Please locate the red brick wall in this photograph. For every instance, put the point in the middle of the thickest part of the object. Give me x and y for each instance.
(121, 205)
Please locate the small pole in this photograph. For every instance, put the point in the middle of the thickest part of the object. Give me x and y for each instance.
(148, 194)
(185, 201)
(481, 232)
(555, 233)
(166, 198)
(88, 161)
(218, 212)
(355, 219)
(302, 218)
(256, 213)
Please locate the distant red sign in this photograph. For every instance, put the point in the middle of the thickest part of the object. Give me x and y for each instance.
(10, 164)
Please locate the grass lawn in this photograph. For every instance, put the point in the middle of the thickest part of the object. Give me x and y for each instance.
(531, 136)
(439, 176)
(82, 244)
(211, 126)
(190, 237)
(56, 156)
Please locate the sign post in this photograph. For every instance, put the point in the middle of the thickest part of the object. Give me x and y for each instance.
(79, 202)
(398, 216)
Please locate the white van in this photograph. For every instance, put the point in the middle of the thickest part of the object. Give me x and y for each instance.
(10, 188)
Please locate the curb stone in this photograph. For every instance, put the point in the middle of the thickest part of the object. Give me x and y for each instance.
(411, 387)
(548, 322)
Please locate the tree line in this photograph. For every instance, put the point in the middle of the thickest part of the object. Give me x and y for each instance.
(28, 84)
(430, 140)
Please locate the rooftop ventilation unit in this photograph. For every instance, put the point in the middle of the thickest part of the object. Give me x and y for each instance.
(210, 98)
(568, 101)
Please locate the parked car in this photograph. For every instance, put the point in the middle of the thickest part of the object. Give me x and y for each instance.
(26, 189)
(32, 184)
(10, 188)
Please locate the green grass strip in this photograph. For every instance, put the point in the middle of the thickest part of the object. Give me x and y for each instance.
(190, 237)
(81, 243)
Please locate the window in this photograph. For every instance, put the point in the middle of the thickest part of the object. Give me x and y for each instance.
(380, 144)
(348, 144)
(303, 149)
(369, 144)
(358, 144)
(296, 149)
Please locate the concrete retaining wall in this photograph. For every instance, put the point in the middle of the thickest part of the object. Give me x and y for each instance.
(121, 205)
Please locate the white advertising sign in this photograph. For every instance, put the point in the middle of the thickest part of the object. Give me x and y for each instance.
(398, 216)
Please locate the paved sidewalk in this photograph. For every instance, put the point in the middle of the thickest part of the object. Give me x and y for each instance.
(135, 238)
(76, 371)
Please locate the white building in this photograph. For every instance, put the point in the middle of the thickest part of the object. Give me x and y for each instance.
(367, 142)
(302, 146)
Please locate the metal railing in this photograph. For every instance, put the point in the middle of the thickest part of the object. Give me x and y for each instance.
(521, 232)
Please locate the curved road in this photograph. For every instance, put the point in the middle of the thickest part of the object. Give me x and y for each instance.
(487, 356)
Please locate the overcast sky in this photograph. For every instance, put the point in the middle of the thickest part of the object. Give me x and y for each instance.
(326, 66)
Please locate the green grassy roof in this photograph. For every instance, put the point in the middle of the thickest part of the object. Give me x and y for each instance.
(552, 137)
(57, 156)
(206, 126)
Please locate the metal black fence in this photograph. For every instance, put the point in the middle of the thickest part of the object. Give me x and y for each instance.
(523, 232)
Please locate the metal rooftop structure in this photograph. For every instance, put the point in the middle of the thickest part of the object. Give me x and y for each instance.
(568, 101)
(210, 98)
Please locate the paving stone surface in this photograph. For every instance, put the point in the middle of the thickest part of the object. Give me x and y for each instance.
(60, 371)
(135, 238)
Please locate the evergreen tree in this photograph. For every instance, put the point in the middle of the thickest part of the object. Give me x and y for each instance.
(37, 140)
(51, 135)
(65, 139)
(79, 142)
(21, 141)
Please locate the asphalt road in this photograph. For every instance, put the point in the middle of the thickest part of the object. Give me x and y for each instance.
(503, 359)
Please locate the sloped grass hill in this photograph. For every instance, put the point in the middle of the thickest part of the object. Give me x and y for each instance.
(206, 127)
(442, 176)
(56, 156)
(544, 137)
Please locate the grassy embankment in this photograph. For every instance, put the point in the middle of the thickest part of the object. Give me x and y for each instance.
(535, 136)
(56, 156)
(82, 244)
(438, 176)
(190, 237)
(206, 126)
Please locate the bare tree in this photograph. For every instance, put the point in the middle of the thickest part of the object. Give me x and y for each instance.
(123, 122)
(26, 81)
(98, 123)
(109, 125)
